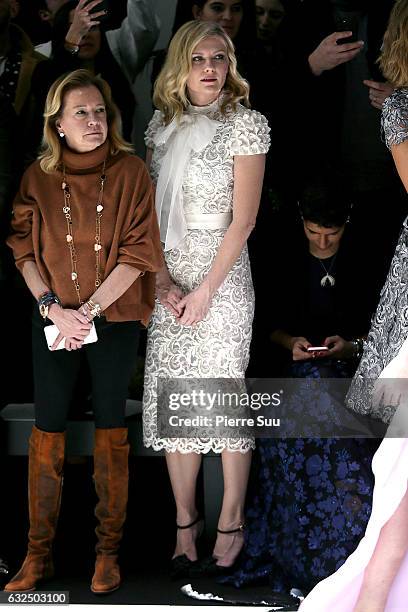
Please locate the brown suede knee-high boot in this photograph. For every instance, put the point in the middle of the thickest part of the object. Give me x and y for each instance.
(111, 474)
(46, 462)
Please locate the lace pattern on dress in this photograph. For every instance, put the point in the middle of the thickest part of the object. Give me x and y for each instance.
(218, 346)
(394, 120)
(389, 330)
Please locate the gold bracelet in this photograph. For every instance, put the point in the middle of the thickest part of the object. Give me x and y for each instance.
(94, 308)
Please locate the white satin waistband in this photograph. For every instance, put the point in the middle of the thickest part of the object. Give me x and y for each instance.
(208, 221)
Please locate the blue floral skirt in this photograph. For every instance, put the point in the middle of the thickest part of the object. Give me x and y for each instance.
(309, 501)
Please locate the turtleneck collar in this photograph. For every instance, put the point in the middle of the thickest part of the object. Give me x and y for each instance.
(208, 108)
(85, 161)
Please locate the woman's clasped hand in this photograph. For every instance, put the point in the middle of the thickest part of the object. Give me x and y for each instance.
(188, 309)
(73, 325)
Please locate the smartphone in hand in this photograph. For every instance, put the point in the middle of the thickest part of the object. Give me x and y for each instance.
(51, 333)
(347, 23)
(315, 349)
(102, 6)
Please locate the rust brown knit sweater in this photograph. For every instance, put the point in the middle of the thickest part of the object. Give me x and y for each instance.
(129, 231)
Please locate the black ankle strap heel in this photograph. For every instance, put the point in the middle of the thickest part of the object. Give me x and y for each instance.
(197, 520)
(209, 567)
(240, 527)
(181, 566)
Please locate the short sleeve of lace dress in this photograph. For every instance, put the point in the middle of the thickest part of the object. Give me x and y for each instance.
(395, 118)
(250, 134)
(155, 123)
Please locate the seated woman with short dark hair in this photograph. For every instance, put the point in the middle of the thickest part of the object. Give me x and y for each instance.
(310, 498)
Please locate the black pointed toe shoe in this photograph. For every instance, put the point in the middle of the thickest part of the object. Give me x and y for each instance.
(209, 565)
(181, 566)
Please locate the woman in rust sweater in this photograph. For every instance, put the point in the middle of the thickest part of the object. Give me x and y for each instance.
(85, 239)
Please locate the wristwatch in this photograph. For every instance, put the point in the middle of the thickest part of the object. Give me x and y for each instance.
(71, 47)
(45, 302)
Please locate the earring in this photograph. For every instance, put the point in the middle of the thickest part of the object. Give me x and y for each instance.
(61, 134)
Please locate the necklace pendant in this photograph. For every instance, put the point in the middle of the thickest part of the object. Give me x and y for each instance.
(328, 280)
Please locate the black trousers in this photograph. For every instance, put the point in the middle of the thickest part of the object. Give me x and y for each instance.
(111, 361)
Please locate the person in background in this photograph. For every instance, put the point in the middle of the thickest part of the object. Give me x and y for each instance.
(46, 12)
(18, 60)
(309, 498)
(85, 239)
(49, 8)
(334, 60)
(269, 15)
(79, 40)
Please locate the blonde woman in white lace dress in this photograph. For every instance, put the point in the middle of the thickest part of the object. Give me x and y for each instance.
(206, 153)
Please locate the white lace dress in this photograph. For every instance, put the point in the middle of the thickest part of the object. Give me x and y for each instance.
(218, 346)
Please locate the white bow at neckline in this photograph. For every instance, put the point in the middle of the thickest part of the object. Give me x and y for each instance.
(189, 134)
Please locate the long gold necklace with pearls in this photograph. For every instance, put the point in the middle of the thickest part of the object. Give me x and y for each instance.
(70, 237)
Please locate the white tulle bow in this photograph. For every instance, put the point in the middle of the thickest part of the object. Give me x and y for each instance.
(192, 133)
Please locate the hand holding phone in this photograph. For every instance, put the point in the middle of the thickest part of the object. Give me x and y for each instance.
(51, 334)
(331, 52)
(316, 349)
(101, 7)
(346, 22)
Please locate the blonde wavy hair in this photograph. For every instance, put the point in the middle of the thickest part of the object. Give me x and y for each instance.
(51, 150)
(170, 90)
(394, 53)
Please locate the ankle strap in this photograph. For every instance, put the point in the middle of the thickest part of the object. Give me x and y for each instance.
(240, 527)
(197, 520)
